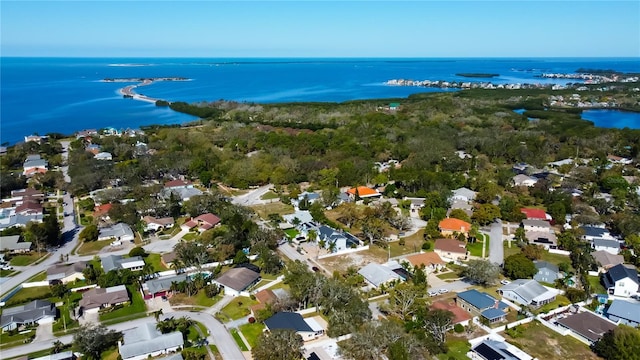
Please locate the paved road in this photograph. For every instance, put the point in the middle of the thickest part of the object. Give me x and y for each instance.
(252, 197)
(218, 334)
(496, 249)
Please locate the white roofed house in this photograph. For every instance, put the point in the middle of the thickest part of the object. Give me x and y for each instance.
(376, 275)
(103, 156)
(118, 262)
(524, 180)
(119, 232)
(463, 194)
(528, 292)
(146, 341)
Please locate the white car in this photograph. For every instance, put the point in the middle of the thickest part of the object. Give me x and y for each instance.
(7, 267)
(443, 291)
(433, 293)
(504, 282)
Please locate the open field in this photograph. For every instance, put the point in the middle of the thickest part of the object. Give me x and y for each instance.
(531, 336)
(273, 208)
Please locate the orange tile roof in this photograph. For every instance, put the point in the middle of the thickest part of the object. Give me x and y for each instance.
(459, 315)
(453, 224)
(363, 191)
(102, 210)
(428, 258)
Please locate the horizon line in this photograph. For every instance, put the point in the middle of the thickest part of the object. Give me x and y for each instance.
(321, 57)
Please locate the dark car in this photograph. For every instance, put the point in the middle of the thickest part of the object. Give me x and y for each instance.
(315, 268)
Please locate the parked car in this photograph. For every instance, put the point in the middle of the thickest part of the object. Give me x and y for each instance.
(7, 267)
(315, 268)
(443, 291)
(433, 293)
(504, 282)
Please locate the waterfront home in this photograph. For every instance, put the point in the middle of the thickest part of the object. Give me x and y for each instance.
(146, 341)
(201, 223)
(587, 325)
(66, 273)
(528, 292)
(621, 280)
(547, 272)
(101, 298)
(606, 260)
(13, 244)
(624, 312)
(450, 249)
(34, 312)
(119, 262)
(119, 232)
(237, 280)
(482, 304)
(34, 164)
(376, 275)
(453, 226)
(308, 329)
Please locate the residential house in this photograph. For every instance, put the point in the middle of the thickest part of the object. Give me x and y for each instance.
(181, 189)
(621, 280)
(547, 272)
(430, 260)
(494, 347)
(66, 273)
(119, 232)
(524, 180)
(8, 219)
(28, 193)
(155, 224)
(453, 226)
(536, 225)
(35, 138)
(559, 163)
(535, 214)
(463, 194)
(462, 205)
(587, 325)
(415, 203)
(624, 312)
(362, 192)
(450, 249)
(65, 355)
(310, 197)
(619, 160)
(146, 341)
(119, 262)
(168, 258)
(103, 156)
(86, 133)
(528, 292)
(264, 298)
(35, 312)
(93, 148)
(610, 246)
(377, 275)
(102, 211)
(482, 304)
(34, 164)
(596, 232)
(13, 245)
(307, 329)
(606, 260)
(161, 286)
(548, 240)
(237, 280)
(336, 240)
(30, 207)
(101, 298)
(459, 315)
(202, 223)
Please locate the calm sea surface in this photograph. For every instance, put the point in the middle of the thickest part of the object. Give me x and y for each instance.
(41, 95)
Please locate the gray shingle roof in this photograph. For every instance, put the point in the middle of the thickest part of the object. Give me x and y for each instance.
(146, 339)
(546, 265)
(378, 274)
(59, 271)
(287, 321)
(606, 243)
(238, 278)
(12, 243)
(114, 262)
(620, 272)
(625, 310)
(27, 313)
(587, 324)
(164, 284)
(525, 288)
(97, 297)
(116, 231)
(605, 258)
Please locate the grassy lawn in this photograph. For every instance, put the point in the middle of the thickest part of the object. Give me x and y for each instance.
(291, 233)
(251, 332)
(508, 251)
(39, 277)
(111, 354)
(65, 316)
(412, 244)
(24, 260)
(92, 247)
(475, 249)
(556, 347)
(155, 261)
(273, 208)
(200, 299)
(558, 302)
(596, 285)
(137, 306)
(448, 276)
(7, 341)
(556, 259)
(236, 337)
(190, 236)
(269, 195)
(238, 308)
(7, 273)
(28, 294)
(458, 348)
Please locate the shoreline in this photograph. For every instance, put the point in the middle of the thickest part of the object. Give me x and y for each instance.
(129, 93)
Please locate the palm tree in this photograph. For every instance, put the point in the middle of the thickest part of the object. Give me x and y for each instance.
(58, 347)
(156, 314)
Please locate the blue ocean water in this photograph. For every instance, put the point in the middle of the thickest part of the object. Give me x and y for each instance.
(608, 118)
(41, 95)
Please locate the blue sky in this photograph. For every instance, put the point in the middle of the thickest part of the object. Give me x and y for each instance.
(320, 28)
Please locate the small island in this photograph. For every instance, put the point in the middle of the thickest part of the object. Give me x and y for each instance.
(172, 78)
(128, 92)
(477, 75)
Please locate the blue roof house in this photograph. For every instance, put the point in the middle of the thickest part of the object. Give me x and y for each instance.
(482, 304)
(624, 312)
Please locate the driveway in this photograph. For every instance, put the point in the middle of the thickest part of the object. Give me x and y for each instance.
(253, 197)
(456, 286)
(218, 334)
(44, 332)
(496, 250)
